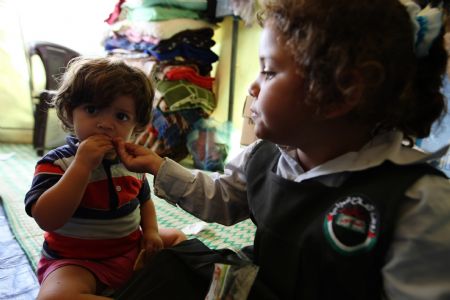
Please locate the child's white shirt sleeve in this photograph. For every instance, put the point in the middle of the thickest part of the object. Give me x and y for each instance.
(212, 197)
(418, 263)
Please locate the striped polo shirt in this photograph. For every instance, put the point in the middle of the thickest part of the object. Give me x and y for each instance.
(107, 221)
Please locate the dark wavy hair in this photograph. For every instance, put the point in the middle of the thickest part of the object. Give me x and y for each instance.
(330, 39)
(100, 81)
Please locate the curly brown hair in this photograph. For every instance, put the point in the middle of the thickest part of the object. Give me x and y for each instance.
(100, 81)
(331, 39)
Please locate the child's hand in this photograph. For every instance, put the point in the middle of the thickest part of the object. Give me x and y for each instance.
(137, 158)
(91, 151)
(151, 242)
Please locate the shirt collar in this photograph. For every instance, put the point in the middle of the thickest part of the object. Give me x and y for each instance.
(383, 147)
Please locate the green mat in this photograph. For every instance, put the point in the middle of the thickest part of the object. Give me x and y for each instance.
(17, 162)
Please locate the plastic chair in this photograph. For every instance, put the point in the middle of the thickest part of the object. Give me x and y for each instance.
(55, 59)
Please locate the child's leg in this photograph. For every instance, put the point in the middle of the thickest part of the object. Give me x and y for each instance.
(69, 282)
(171, 237)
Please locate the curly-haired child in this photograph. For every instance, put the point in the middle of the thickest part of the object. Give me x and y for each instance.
(345, 206)
(96, 214)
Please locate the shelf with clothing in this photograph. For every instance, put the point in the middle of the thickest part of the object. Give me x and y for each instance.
(171, 41)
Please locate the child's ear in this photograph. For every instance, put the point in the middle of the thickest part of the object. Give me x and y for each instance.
(351, 87)
(342, 108)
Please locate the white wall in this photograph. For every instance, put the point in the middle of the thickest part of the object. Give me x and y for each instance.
(76, 24)
(15, 103)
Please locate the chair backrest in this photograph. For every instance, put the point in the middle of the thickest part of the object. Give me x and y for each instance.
(55, 59)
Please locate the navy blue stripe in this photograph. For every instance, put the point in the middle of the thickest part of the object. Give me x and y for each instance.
(41, 183)
(89, 213)
(145, 192)
(57, 154)
(49, 253)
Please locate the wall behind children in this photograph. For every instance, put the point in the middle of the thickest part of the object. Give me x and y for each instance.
(79, 25)
(15, 106)
(76, 24)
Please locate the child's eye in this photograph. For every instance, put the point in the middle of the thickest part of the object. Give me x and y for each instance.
(268, 74)
(122, 116)
(90, 109)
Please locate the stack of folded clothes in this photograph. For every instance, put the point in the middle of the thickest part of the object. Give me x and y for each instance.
(171, 41)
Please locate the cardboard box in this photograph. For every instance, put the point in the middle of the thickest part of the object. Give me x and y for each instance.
(248, 133)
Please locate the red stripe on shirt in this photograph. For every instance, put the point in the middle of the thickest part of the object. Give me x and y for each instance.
(68, 247)
(48, 169)
(97, 195)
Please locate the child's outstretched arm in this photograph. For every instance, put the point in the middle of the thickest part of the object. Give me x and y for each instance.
(212, 197)
(137, 158)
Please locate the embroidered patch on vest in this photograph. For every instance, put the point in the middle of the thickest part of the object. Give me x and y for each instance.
(351, 225)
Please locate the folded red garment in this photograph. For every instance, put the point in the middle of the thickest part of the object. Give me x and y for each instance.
(188, 74)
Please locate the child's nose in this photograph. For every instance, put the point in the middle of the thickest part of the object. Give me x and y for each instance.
(104, 123)
(253, 90)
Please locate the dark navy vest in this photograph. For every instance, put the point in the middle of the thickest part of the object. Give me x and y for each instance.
(319, 242)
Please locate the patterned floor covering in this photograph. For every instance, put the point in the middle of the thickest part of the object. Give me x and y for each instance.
(17, 162)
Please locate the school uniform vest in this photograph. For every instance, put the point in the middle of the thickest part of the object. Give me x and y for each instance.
(319, 242)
